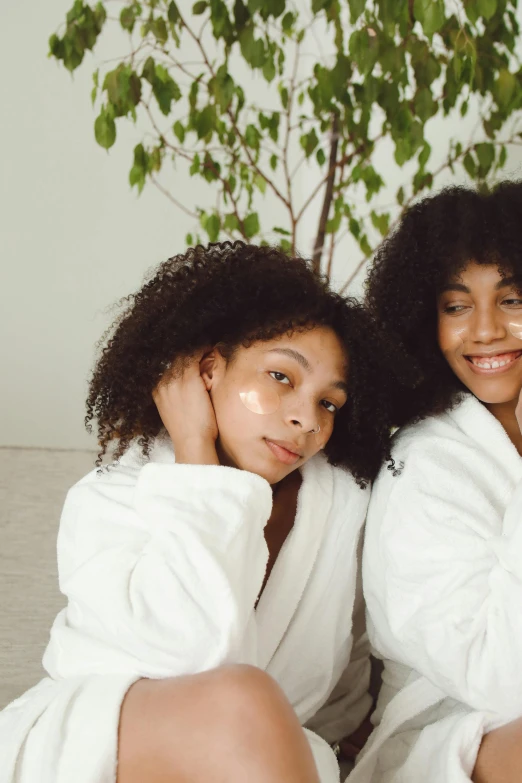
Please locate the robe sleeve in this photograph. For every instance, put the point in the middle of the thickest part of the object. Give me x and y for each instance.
(443, 580)
(163, 567)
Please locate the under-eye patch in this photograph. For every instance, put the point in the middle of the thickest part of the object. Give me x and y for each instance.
(515, 327)
(260, 400)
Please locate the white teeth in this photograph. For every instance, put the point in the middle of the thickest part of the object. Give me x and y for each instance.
(492, 365)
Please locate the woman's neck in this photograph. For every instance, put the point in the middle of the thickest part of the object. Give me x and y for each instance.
(504, 412)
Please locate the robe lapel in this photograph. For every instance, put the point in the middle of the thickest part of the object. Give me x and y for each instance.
(296, 559)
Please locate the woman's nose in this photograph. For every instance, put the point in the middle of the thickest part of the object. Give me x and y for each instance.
(487, 325)
(304, 415)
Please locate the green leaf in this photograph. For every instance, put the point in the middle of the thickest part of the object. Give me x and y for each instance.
(502, 158)
(123, 88)
(487, 8)
(211, 168)
(204, 121)
(400, 196)
(320, 157)
(251, 225)
(222, 88)
(424, 154)
(364, 50)
(365, 246)
(486, 157)
(356, 9)
(159, 28)
(504, 87)
(269, 69)
(213, 227)
(425, 106)
(199, 7)
(195, 165)
(253, 50)
(273, 162)
(381, 222)
(179, 130)
(173, 17)
(283, 92)
(430, 13)
(189, 239)
(105, 130)
(128, 18)
(309, 142)
(283, 231)
(355, 227)
(252, 137)
(318, 5)
(288, 21)
(260, 183)
(470, 165)
(231, 223)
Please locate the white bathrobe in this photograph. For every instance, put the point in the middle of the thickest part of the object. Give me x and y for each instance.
(162, 565)
(442, 573)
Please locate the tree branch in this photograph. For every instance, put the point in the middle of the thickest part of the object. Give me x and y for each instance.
(328, 195)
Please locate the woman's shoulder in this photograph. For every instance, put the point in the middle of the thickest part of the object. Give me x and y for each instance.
(461, 453)
(122, 474)
(442, 432)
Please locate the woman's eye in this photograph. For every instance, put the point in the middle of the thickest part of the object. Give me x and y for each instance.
(513, 302)
(454, 308)
(280, 377)
(330, 407)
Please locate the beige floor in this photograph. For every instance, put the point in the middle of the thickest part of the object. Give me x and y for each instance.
(33, 484)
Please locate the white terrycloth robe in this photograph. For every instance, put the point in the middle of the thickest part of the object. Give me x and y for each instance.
(162, 565)
(442, 573)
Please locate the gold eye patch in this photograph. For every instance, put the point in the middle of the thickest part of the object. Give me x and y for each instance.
(260, 400)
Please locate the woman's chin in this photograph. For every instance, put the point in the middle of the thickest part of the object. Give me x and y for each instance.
(494, 396)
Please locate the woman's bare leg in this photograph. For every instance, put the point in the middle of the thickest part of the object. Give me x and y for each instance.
(229, 725)
(499, 758)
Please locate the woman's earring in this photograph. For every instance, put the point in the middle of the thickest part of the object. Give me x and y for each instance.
(314, 432)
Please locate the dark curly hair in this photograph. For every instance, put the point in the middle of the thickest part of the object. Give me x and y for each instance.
(232, 294)
(436, 239)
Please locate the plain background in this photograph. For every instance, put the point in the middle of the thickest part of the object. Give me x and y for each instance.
(74, 237)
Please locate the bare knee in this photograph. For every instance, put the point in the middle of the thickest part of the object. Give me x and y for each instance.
(499, 759)
(167, 726)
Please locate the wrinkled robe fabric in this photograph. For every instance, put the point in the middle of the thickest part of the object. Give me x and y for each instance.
(162, 565)
(442, 574)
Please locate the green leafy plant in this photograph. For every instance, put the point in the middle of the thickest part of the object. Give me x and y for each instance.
(327, 85)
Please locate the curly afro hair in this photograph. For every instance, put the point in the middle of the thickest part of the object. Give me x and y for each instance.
(436, 240)
(232, 295)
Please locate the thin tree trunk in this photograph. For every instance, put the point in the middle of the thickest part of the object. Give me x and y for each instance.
(328, 196)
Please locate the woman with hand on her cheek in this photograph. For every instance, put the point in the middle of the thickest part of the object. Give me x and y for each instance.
(442, 566)
(211, 568)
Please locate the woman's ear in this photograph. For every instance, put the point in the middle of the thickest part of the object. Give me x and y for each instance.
(207, 367)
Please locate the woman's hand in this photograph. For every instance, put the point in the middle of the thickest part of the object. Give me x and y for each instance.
(186, 411)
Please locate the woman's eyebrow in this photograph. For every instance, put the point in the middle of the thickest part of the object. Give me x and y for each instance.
(455, 287)
(293, 354)
(506, 282)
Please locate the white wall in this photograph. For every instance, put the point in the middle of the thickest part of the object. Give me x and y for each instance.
(74, 238)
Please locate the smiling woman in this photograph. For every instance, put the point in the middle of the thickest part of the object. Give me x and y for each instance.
(443, 545)
(211, 569)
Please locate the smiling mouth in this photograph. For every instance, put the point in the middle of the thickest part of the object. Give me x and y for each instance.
(493, 364)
